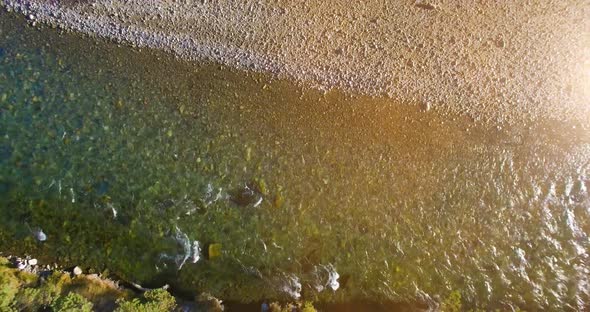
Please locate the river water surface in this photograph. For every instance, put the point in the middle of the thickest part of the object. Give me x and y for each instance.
(132, 161)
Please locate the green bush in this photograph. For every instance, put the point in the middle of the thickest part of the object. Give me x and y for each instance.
(72, 303)
(157, 300)
(21, 291)
(8, 291)
(452, 303)
(305, 307)
(308, 307)
(29, 299)
(9, 285)
(36, 297)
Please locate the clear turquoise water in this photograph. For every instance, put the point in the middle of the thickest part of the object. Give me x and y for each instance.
(124, 158)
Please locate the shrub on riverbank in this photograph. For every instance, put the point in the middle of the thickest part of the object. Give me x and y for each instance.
(153, 301)
(72, 302)
(59, 292)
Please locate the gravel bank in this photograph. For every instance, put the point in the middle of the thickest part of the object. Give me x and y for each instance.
(506, 61)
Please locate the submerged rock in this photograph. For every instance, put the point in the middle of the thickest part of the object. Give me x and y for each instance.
(38, 234)
(211, 195)
(214, 250)
(292, 286)
(326, 277)
(189, 250)
(246, 196)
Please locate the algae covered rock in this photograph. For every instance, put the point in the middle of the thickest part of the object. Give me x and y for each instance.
(214, 250)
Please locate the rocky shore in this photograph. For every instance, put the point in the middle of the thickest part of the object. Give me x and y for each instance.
(29, 285)
(501, 62)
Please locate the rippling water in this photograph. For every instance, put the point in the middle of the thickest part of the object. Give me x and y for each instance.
(126, 158)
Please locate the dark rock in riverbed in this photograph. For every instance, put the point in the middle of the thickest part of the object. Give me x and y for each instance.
(245, 196)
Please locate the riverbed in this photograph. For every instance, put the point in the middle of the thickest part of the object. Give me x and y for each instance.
(251, 187)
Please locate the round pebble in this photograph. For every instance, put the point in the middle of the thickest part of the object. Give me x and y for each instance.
(77, 271)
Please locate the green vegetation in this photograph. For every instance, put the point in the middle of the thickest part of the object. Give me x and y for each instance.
(452, 303)
(308, 307)
(303, 307)
(11, 282)
(72, 302)
(152, 301)
(22, 291)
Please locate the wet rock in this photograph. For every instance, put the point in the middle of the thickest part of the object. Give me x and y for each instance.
(38, 234)
(246, 195)
(41, 236)
(292, 286)
(326, 277)
(188, 251)
(21, 265)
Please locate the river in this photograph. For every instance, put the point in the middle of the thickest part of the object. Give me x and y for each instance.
(131, 160)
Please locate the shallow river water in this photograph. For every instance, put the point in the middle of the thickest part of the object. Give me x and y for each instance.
(133, 161)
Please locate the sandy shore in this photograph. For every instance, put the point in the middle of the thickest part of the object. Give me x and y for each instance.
(503, 61)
